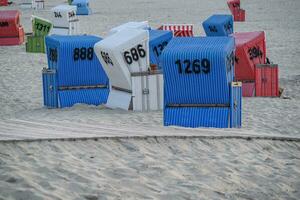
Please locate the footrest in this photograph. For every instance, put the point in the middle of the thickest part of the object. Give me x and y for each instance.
(13, 40)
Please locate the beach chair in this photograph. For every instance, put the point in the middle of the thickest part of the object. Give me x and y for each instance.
(40, 28)
(65, 20)
(218, 25)
(239, 14)
(74, 74)
(11, 31)
(125, 58)
(250, 50)
(179, 30)
(38, 4)
(82, 7)
(3, 3)
(199, 90)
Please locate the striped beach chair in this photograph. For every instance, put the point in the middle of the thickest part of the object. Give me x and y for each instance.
(179, 30)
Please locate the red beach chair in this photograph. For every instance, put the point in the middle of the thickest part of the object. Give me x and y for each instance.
(239, 15)
(3, 3)
(11, 32)
(233, 5)
(250, 51)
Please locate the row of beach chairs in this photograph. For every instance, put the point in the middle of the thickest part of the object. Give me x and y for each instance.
(197, 81)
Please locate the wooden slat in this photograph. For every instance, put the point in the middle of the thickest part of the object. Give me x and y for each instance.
(200, 105)
(146, 73)
(121, 89)
(81, 87)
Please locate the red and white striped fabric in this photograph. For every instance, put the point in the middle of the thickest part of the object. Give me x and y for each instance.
(179, 30)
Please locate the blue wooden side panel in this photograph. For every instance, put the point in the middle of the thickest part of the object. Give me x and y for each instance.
(236, 106)
(52, 52)
(158, 41)
(68, 98)
(197, 88)
(230, 64)
(218, 25)
(50, 88)
(196, 117)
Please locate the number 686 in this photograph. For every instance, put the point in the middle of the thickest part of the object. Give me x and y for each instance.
(134, 54)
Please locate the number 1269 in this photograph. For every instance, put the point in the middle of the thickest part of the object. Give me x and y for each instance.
(196, 66)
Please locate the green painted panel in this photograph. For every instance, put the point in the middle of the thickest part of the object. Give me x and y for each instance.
(35, 44)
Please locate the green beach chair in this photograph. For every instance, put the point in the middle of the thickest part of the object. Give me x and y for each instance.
(40, 29)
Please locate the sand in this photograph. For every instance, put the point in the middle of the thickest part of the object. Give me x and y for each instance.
(149, 168)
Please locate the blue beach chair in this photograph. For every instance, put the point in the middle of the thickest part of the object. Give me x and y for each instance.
(74, 73)
(198, 83)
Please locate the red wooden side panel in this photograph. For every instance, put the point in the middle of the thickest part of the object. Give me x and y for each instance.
(3, 3)
(258, 82)
(266, 82)
(275, 82)
(179, 30)
(248, 89)
(244, 71)
(250, 50)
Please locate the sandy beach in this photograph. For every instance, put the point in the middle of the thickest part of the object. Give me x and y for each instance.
(195, 167)
(150, 169)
